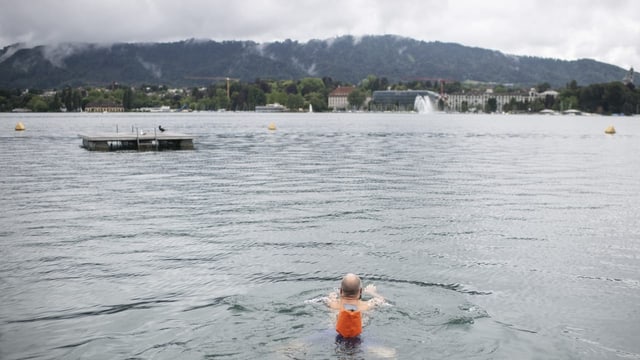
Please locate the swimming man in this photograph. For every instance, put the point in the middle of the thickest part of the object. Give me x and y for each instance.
(350, 305)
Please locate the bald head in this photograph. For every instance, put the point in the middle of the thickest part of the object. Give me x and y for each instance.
(350, 286)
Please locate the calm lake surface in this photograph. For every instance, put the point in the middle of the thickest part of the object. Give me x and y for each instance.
(490, 236)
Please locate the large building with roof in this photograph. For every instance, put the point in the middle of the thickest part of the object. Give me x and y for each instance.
(404, 100)
(477, 101)
(338, 98)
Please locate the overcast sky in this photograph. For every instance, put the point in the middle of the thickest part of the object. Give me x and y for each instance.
(605, 30)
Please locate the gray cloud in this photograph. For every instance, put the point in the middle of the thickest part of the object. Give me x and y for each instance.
(154, 69)
(57, 53)
(600, 29)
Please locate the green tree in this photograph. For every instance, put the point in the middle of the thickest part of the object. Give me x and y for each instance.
(491, 106)
(329, 83)
(204, 104)
(55, 104)
(614, 97)
(142, 99)
(220, 100)
(255, 97)
(290, 87)
(4, 104)
(37, 104)
(197, 94)
(67, 98)
(76, 100)
(356, 98)
(537, 105)
(317, 100)
(591, 98)
(549, 101)
(464, 107)
(277, 97)
(295, 101)
(382, 84)
(368, 83)
(510, 106)
(570, 102)
(127, 99)
(311, 85)
(263, 85)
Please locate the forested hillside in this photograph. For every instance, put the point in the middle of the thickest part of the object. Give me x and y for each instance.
(346, 59)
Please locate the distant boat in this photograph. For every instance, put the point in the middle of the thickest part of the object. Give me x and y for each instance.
(270, 108)
(572, 112)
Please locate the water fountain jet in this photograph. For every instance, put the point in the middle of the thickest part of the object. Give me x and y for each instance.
(423, 105)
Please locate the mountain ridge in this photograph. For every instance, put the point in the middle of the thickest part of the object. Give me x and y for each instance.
(346, 58)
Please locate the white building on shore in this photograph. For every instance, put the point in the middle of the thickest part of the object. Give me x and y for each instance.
(478, 101)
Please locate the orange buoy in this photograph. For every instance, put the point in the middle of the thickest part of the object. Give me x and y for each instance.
(272, 126)
(19, 126)
(610, 130)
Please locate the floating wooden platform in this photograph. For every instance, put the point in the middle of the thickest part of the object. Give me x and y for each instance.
(133, 141)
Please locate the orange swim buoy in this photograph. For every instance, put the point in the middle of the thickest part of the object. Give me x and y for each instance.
(349, 323)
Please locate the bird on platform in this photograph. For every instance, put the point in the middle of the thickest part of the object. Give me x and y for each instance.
(161, 128)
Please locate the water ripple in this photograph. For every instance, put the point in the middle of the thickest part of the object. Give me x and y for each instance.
(113, 309)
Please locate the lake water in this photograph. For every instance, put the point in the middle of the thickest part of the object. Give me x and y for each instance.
(490, 236)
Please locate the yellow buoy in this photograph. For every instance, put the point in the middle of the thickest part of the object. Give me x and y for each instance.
(272, 126)
(610, 130)
(19, 126)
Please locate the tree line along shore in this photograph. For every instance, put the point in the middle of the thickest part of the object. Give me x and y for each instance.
(295, 95)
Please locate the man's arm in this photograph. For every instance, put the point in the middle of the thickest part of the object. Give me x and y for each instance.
(377, 298)
(332, 301)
